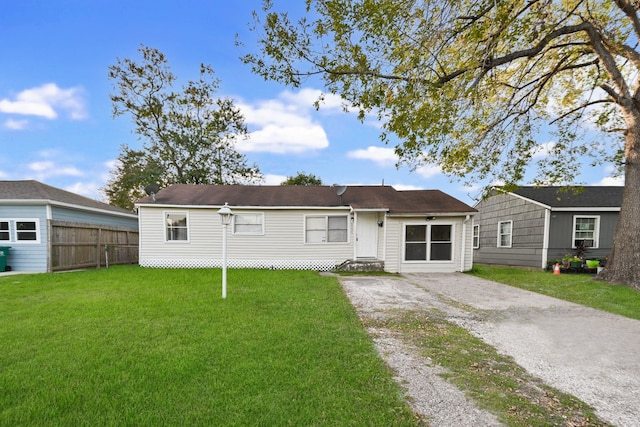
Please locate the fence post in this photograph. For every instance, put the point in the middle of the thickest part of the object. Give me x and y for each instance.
(98, 252)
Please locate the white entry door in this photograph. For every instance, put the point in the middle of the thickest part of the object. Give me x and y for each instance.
(366, 234)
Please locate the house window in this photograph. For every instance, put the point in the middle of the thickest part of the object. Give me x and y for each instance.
(504, 234)
(248, 223)
(20, 230)
(26, 231)
(5, 236)
(428, 242)
(177, 226)
(585, 231)
(326, 229)
(476, 236)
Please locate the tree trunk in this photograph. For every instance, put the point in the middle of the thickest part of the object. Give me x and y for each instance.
(623, 265)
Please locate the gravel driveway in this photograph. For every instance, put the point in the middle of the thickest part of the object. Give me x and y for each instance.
(588, 353)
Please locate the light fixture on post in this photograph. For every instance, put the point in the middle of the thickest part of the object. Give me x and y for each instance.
(225, 218)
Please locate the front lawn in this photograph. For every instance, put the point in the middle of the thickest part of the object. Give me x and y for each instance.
(578, 288)
(134, 346)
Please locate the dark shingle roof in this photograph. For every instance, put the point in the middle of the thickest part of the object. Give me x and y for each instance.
(585, 197)
(32, 190)
(358, 197)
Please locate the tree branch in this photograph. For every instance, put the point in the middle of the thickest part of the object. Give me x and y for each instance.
(630, 10)
(578, 108)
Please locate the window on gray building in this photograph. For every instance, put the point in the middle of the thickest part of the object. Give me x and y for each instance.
(585, 231)
(504, 234)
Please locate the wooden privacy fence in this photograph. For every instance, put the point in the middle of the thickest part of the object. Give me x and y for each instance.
(73, 245)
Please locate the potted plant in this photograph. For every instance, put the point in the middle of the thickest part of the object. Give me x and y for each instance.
(593, 263)
(566, 260)
(575, 262)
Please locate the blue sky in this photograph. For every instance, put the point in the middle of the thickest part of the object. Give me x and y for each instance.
(56, 123)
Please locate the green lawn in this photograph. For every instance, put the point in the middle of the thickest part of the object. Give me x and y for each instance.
(133, 346)
(578, 288)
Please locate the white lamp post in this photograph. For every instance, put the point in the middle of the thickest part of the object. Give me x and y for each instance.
(225, 217)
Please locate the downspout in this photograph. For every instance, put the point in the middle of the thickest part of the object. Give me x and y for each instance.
(464, 242)
(384, 240)
(545, 238)
(48, 237)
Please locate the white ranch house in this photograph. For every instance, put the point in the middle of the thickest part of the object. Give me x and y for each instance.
(306, 227)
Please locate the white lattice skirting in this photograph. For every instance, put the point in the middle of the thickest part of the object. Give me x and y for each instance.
(292, 264)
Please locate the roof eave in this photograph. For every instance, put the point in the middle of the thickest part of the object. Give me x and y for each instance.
(535, 202)
(44, 202)
(587, 209)
(250, 207)
(436, 214)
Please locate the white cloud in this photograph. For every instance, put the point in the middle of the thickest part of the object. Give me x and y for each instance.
(305, 98)
(271, 179)
(403, 187)
(385, 156)
(381, 155)
(46, 101)
(542, 150)
(619, 180)
(285, 139)
(87, 189)
(16, 124)
(112, 164)
(283, 125)
(428, 171)
(44, 169)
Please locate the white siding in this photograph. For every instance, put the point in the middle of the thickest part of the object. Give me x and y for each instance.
(394, 261)
(281, 246)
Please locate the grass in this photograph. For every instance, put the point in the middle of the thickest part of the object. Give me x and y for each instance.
(578, 288)
(131, 346)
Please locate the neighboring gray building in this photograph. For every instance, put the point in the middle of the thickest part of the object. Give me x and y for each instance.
(306, 227)
(27, 210)
(530, 225)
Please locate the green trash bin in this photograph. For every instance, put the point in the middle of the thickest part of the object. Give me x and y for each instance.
(4, 254)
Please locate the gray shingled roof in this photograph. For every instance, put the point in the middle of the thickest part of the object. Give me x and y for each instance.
(358, 197)
(586, 197)
(36, 191)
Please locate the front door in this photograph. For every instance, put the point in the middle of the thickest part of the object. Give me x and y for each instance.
(366, 235)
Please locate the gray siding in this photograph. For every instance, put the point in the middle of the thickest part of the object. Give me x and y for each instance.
(59, 213)
(527, 231)
(528, 240)
(561, 233)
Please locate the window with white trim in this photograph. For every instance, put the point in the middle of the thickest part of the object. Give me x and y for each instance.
(326, 229)
(432, 242)
(586, 231)
(176, 226)
(476, 236)
(5, 234)
(504, 234)
(248, 223)
(26, 230)
(20, 230)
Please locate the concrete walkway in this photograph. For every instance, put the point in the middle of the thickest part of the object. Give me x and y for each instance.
(588, 353)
